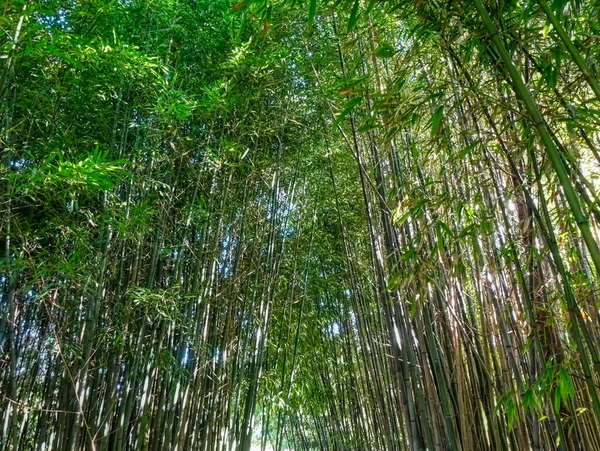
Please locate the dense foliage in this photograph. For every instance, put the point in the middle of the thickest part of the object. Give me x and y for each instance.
(334, 225)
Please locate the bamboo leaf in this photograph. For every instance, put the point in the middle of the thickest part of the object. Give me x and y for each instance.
(370, 6)
(353, 15)
(384, 50)
(467, 150)
(436, 120)
(557, 398)
(312, 12)
(240, 6)
(347, 110)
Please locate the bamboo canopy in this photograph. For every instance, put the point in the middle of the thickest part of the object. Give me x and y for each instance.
(299, 225)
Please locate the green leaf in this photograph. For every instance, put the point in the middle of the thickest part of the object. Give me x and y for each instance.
(384, 50)
(409, 255)
(312, 12)
(566, 385)
(557, 398)
(511, 411)
(402, 219)
(467, 150)
(529, 401)
(347, 109)
(371, 6)
(413, 307)
(366, 126)
(353, 15)
(443, 226)
(393, 282)
(240, 6)
(439, 237)
(459, 209)
(436, 120)
(508, 402)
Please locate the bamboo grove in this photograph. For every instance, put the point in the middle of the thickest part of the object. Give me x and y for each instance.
(284, 225)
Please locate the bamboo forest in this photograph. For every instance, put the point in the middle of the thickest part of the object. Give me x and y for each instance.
(270, 225)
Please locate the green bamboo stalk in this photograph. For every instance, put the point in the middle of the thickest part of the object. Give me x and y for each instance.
(540, 125)
(577, 58)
